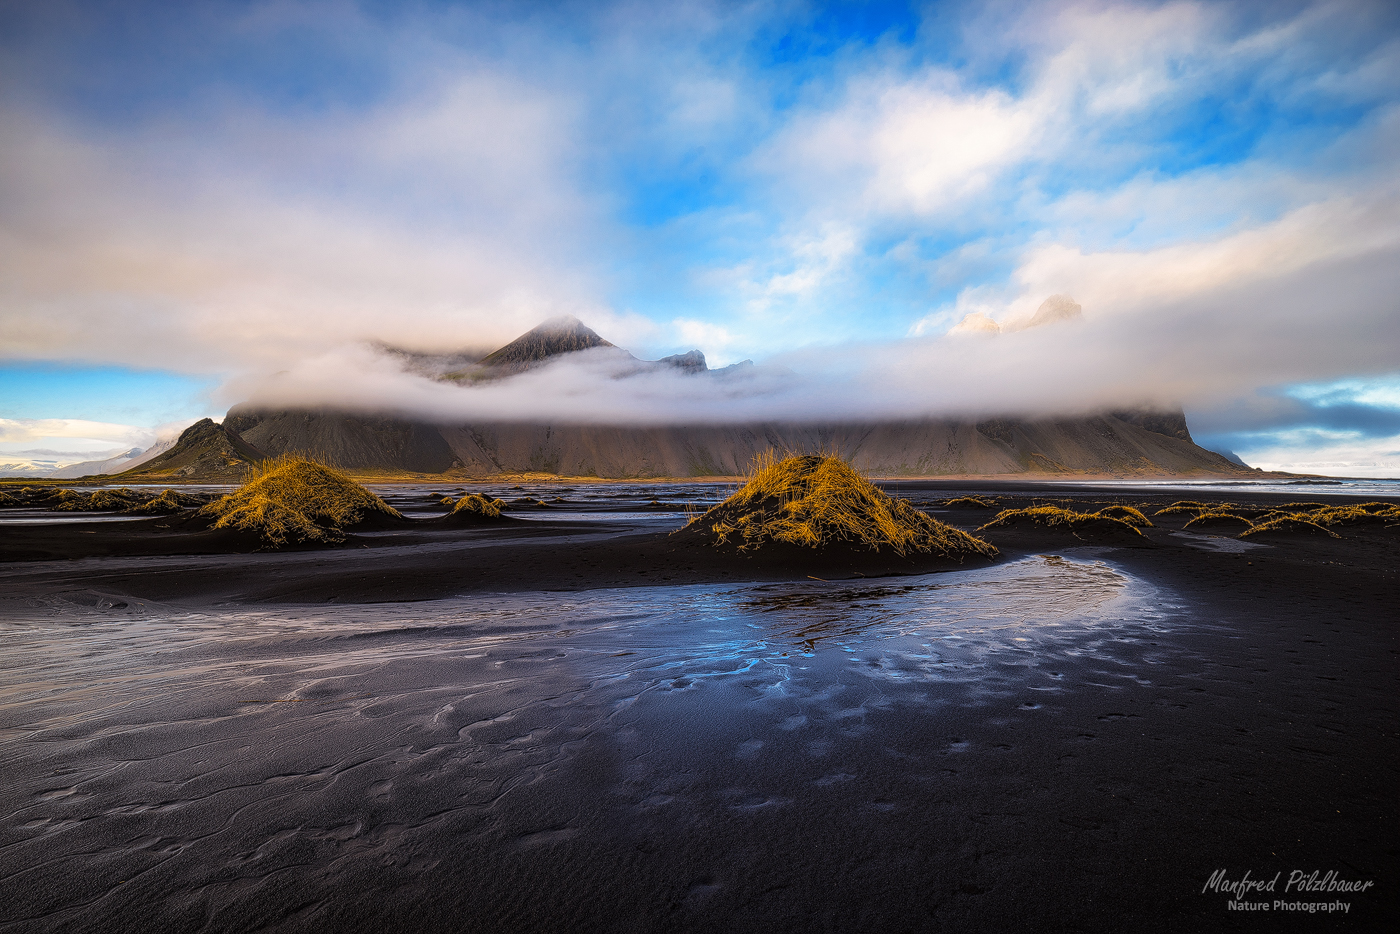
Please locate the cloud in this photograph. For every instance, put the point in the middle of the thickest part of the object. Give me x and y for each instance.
(29, 430)
(1322, 451)
(1212, 183)
(248, 239)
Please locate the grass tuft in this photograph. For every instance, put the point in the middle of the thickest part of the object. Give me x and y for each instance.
(817, 500)
(1128, 514)
(1363, 513)
(475, 504)
(1057, 517)
(166, 503)
(1218, 518)
(1189, 506)
(293, 499)
(1289, 523)
(965, 501)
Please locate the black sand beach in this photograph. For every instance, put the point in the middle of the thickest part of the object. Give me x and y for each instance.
(575, 722)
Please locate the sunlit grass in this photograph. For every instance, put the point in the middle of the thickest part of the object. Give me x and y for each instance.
(474, 504)
(817, 500)
(1215, 518)
(1056, 517)
(1128, 514)
(1294, 522)
(970, 501)
(293, 499)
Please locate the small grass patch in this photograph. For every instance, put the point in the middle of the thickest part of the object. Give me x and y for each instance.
(97, 501)
(1186, 506)
(1129, 514)
(817, 501)
(1289, 523)
(1056, 517)
(474, 504)
(1361, 514)
(969, 501)
(166, 503)
(293, 499)
(1219, 519)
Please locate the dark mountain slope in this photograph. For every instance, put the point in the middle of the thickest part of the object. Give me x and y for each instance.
(343, 439)
(1104, 444)
(204, 451)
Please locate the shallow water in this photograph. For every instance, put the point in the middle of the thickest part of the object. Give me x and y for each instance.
(1304, 488)
(212, 755)
(47, 517)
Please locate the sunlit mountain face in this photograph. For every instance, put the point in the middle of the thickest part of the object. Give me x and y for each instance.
(878, 199)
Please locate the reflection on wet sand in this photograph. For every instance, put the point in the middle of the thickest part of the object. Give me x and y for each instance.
(205, 757)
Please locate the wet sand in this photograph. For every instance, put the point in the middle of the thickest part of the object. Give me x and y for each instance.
(576, 723)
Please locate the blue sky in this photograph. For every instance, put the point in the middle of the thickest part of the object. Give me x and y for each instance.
(199, 197)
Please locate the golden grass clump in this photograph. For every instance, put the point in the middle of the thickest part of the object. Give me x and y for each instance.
(122, 498)
(295, 499)
(1362, 513)
(67, 501)
(1128, 514)
(965, 501)
(167, 502)
(1218, 518)
(1188, 506)
(475, 504)
(1289, 523)
(817, 500)
(1057, 517)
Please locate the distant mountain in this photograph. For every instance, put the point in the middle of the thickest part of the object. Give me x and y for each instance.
(29, 467)
(1124, 443)
(94, 468)
(204, 451)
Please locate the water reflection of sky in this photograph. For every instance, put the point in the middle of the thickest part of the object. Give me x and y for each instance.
(955, 626)
(149, 750)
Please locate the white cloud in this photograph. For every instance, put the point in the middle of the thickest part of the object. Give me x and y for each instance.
(32, 430)
(1330, 453)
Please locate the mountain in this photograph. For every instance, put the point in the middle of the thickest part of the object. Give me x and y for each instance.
(125, 461)
(556, 336)
(28, 467)
(204, 451)
(94, 468)
(1122, 443)
(345, 439)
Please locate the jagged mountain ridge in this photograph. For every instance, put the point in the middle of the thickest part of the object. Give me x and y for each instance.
(1124, 443)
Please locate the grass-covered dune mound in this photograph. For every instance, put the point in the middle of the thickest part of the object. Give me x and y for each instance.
(1287, 520)
(1129, 514)
(295, 500)
(1068, 520)
(121, 499)
(969, 502)
(1289, 524)
(819, 502)
(1219, 519)
(473, 509)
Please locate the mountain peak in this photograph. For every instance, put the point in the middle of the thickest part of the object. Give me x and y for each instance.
(565, 334)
